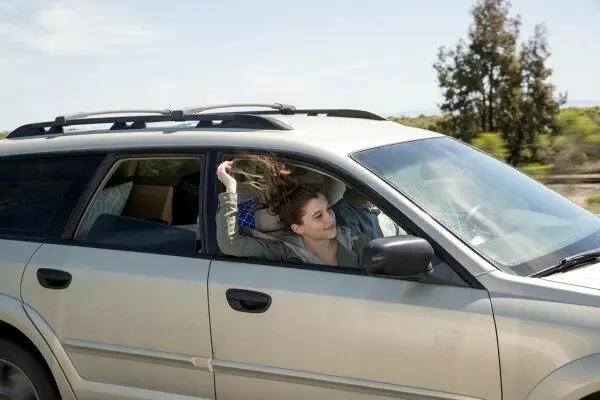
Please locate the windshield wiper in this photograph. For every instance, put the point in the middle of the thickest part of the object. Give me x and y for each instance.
(570, 262)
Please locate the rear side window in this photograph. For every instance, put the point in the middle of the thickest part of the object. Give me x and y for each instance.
(38, 194)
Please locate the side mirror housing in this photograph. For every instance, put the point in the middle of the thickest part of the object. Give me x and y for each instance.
(398, 256)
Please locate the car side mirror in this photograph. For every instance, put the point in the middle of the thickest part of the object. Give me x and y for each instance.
(398, 256)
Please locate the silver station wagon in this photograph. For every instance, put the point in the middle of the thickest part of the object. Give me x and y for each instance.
(480, 283)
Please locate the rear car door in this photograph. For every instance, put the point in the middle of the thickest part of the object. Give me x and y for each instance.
(124, 290)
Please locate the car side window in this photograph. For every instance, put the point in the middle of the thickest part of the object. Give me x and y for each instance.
(147, 204)
(261, 234)
(34, 192)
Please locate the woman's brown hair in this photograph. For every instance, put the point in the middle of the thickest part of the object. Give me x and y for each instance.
(285, 196)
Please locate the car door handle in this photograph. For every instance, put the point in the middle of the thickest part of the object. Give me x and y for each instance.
(53, 278)
(248, 301)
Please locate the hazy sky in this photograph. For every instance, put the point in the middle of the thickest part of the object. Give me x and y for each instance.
(60, 57)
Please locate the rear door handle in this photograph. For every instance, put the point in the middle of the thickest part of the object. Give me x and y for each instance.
(248, 301)
(53, 278)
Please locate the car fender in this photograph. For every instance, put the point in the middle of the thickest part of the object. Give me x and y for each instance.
(572, 381)
(12, 312)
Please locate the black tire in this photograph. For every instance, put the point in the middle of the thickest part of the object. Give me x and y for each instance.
(28, 364)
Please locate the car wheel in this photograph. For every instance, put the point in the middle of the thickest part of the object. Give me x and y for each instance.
(22, 376)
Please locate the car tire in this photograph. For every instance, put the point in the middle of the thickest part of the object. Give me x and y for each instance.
(31, 367)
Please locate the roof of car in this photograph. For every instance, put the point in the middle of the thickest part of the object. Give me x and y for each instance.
(315, 134)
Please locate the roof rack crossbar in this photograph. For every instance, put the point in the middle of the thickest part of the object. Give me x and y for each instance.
(62, 119)
(281, 108)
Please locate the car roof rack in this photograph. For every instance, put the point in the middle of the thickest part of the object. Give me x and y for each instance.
(212, 120)
(247, 119)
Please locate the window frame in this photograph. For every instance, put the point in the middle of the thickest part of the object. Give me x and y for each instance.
(327, 167)
(63, 210)
(67, 236)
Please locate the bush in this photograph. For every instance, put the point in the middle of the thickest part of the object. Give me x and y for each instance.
(577, 122)
(492, 143)
(429, 122)
(594, 200)
(582, 129)
(537, 170)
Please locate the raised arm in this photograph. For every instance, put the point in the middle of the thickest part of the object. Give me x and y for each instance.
(229, 238)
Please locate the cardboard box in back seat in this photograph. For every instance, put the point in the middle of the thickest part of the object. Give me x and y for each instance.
(150, 202)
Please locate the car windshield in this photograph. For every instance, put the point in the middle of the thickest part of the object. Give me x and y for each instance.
(515, 222)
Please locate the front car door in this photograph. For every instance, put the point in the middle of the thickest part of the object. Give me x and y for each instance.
(128, 313)
(340, 334)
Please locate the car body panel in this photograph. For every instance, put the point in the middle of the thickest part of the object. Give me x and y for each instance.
(542, 326)
(588, 276)
(14, 255)
(131, 320)
(572, 381)
(359, 333)
(13, 313)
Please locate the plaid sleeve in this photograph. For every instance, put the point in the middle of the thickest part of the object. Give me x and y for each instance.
(246, 215)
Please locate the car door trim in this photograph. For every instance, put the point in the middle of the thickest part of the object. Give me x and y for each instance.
(350, 385)
(137, 354)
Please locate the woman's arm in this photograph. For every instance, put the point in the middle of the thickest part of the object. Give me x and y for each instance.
(229, 238)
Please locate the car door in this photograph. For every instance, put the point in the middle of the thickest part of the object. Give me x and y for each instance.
(289, 331)
(132, 321)
(338, 336)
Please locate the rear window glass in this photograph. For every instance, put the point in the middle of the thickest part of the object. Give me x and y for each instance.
(33, 190)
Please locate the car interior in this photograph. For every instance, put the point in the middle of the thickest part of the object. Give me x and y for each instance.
(150, 204)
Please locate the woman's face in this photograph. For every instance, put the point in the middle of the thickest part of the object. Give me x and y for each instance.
(318, 221)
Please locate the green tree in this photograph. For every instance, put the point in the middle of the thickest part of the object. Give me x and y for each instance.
(475, 76)
(487, 85)
(539, 106)
(456, 81)
(492, 143)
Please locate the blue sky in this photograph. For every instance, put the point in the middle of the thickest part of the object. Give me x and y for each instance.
(60, 57)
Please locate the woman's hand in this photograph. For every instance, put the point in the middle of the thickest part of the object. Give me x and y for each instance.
(226, 179)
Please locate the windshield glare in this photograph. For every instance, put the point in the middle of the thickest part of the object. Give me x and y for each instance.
(512, 220)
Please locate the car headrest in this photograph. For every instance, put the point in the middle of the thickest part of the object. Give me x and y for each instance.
(333, 189)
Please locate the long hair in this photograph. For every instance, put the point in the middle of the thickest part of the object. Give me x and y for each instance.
(285, 196)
